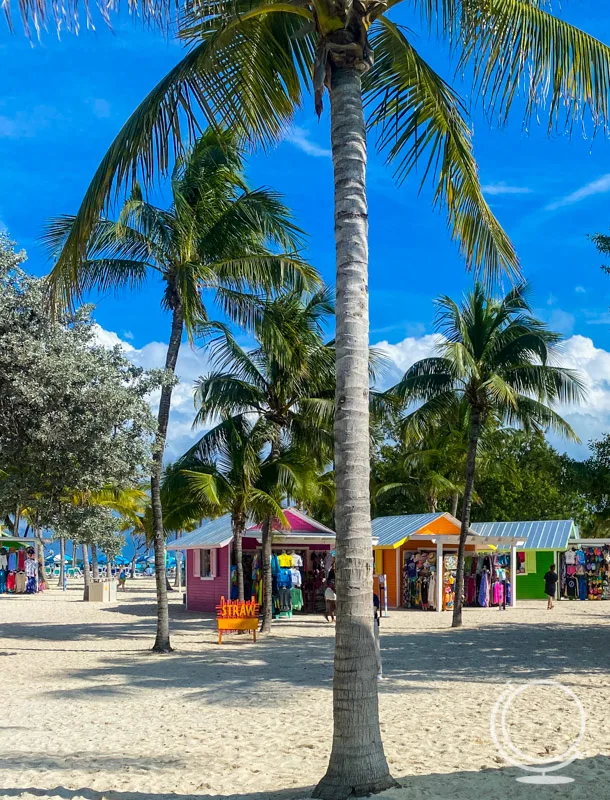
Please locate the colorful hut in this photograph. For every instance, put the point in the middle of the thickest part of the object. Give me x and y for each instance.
(409, 549)
(209, 555)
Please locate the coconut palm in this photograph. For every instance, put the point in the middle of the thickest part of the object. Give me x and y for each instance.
(287, 380)
(230, 470)
(247, 68)
(215, 237)
(499, 360)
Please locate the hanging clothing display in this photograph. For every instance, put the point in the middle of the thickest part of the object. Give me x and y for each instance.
(19, 570)
(419, 580)
(584, 573)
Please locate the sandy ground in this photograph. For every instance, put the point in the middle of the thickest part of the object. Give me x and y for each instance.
(88, 712)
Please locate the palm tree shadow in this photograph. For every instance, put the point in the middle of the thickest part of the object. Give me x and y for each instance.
(590, 778)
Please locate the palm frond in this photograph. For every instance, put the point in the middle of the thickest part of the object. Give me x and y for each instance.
(416, 112)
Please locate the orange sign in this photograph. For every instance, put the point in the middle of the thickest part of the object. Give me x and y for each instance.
(237, 615)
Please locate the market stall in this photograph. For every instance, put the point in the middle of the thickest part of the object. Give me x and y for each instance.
(21, 565)
(418, 555)
(302, 563)
(584, 570)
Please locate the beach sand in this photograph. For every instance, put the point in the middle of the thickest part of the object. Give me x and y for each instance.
(89, 712)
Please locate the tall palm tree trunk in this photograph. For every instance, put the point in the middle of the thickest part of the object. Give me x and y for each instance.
(86, 572)
(162, 643)
(239, 525)
(357, 762)
(473, 440)
(95, 567)
(455, 499)
(267, 577)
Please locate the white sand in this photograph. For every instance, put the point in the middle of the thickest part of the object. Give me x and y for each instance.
(88, 712)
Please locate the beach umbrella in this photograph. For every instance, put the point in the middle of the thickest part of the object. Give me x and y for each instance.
(121, 561)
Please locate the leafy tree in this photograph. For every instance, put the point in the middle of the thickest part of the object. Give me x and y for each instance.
(247, 67)
(532, 481)
(499, 360)
(74, 416)
(215, 237)
(287, 381)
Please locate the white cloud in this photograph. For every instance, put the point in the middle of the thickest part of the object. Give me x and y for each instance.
(301, 138)
(599, 186)
(191, 364)
(580, 289)
(127, 335)
(405, 353)
(501, 187)
(590, 420)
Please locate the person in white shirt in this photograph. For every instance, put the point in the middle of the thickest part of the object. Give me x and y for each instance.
(330, 598)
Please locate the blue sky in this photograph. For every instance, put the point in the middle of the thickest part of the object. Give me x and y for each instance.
(63, 101)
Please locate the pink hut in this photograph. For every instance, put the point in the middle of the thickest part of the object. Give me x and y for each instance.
(306, 544)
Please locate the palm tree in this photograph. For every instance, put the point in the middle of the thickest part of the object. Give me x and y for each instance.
(500, 361)
(247, 68)
(230, 470)
(214, 237)
(287, 380)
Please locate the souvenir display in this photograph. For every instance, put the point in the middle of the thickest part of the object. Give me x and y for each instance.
(19, 570)
(584, 573)
(487, 580)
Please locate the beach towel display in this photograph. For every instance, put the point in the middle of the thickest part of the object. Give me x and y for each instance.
(584, 573)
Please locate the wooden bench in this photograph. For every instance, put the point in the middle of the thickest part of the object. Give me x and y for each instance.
(233, 616)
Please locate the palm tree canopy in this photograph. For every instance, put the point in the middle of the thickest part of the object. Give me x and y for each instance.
(249, 64)
(230, 470)
(217, 234)
(498, 359)
(287, 379)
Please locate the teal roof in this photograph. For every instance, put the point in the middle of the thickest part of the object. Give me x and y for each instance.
(215, 533)
(391, 530)
(550, 534)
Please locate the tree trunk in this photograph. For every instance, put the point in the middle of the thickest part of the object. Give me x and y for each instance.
(473, 439)
(267, 577)
(239, 526)
(454, 503)
(162, 642)
(133, 566)
(432, 504)
(95, 569)
(357, 762)
(62, 566)
(86, 571)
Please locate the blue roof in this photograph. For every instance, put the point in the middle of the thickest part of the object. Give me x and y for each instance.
(215, 533)
(391, 530)
(551, 534)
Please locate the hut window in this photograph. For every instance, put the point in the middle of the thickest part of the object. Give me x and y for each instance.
(207, 563)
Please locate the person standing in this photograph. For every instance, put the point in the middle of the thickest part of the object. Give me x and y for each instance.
(376, 621)
(330, 600)
(550, 585)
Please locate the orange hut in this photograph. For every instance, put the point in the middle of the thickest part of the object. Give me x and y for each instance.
(437, 534)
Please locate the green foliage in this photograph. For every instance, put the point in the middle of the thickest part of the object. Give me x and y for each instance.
(74, 418)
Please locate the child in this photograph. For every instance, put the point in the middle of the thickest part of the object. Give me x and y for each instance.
(330, 598)
(122, 579)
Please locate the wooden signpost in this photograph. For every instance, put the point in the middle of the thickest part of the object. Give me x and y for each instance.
(237, 615)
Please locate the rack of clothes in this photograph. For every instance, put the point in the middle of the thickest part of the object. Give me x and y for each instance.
(20, 570)
(487, 580)
(287, 571)
(419, 580)
(584, 573)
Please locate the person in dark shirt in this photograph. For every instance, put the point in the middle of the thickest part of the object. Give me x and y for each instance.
(550, 585)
